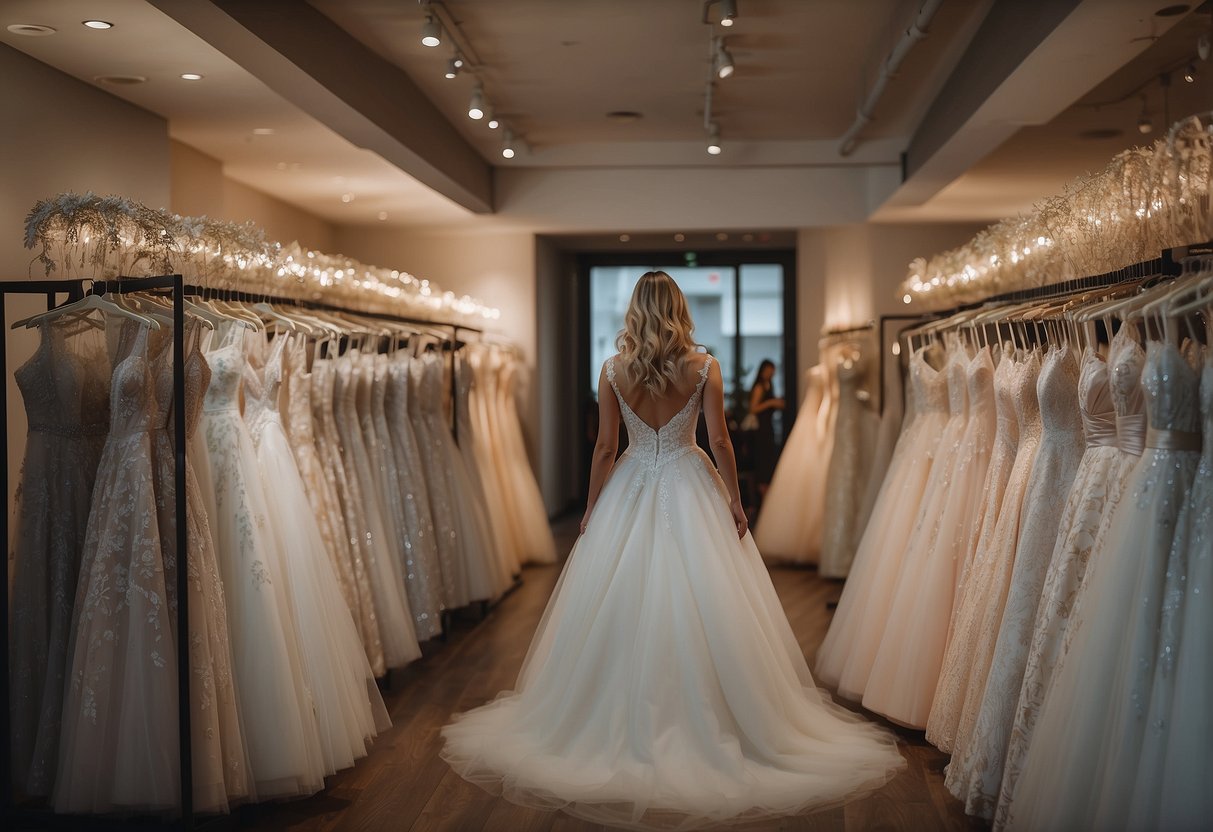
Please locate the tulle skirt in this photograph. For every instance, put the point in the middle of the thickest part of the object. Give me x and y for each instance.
(664, 687)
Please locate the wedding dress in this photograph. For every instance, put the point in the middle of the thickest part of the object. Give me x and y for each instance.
(975, 578)
(906, 669)
(1080, 520)
(847, 472)
(664, 686)
(975, 773)
(280, 727)
(845, 657)
(1080, 770)
(789, 528)
(482, 418)
(344, 697)
(65, 387)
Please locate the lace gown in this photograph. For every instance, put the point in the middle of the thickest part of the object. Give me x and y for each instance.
(422, 570)
(1080, 520)
(384, 569)
(65, 387)
(344, 697)
(845, 657)
(347, 498)
(847, 474)
(966, 613)
(906, 669)
(280, 727)
(118, 747)
(1080, 770)
(789, 528)
(664, 686)
(975, 773)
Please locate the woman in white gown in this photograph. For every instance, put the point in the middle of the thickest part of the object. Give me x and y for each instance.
(664, 687)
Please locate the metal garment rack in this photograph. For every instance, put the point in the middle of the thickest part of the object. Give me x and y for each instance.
(175, 287)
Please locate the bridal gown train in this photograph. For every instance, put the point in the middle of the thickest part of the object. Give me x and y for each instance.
(664, 687)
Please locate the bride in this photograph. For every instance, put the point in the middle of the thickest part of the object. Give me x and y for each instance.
(664, 688)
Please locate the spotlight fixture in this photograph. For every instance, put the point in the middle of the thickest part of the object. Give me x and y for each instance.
(453, 66)
(1190, 74)
(491, 118)
(191, 76)
(383, 216)
(623, 238)
(347, 198)
(476, 105)
(714, 147)
(724, 60)
(431, 32)
(98, 24)
(507, 144)
(728, 11)
(1144, 124)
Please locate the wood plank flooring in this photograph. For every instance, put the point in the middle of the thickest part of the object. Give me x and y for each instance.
(403, 785)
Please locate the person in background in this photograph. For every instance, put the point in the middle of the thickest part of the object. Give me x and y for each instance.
(763, 404)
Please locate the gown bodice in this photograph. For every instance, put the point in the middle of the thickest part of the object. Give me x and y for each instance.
(64, 393)
(227, 370)
(1027, 401)
(298, 394)
(1126, 359)
(132, 395)
(674, 439)
(980, 383)
(1006, 428)
(1171, 388)
(957, 374)
(1095, 401)
(262, 389)
(1057, 395)
(930, 385)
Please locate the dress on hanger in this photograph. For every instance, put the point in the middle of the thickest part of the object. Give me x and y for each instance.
(539, 545)
(349, 710)
(788, 529)
(847, 472)
(905, 671)
(65, 388)
(1080, 770)
(845, 657)
(482, 412)
(1080, 520)
(664, 686)
(974, 578)
(281, 734)
(975, 773)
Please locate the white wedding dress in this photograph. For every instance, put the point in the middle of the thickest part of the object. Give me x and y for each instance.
(664, 687)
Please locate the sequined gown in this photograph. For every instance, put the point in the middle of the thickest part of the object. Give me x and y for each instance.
(847, 474)
(65, 387)
(664, 687)
(975, 773)
(1080, 770)
(280, 726)
(906, 669)
(845, 657)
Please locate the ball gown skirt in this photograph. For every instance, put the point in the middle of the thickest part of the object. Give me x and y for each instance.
(664, 687)
(1080, 770)
(845, 657)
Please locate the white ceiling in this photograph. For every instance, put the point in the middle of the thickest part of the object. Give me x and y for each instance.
(303, 162)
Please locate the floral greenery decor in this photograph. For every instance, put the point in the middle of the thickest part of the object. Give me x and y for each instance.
(111, 237)
(1144, 201)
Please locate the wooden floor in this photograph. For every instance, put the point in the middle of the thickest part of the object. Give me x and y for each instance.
(403, 785)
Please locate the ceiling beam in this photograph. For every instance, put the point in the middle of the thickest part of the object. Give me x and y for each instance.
(1029, 61)
(315, 64)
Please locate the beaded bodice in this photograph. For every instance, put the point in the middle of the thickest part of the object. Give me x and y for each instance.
(930, 385)
(674, 439)
(1006, 428)
(298, 393)
(65, 394)
(958, 396)
(1027, 401)
(1095, 400)
(1171, 388)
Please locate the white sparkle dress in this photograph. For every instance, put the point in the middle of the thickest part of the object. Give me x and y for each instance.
(664, 687)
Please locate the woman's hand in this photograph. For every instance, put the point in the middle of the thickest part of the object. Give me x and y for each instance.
(743, 522)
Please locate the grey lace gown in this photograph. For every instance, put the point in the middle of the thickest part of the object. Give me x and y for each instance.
(65, 387)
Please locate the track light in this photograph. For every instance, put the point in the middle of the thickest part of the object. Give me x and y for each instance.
(431, 32)
(453, 66)
(1190, 74)
(491, 119)
(476, 105)
(507, 144)
(1144, 124)
(723, 61)
(728, 11)
(714, 147)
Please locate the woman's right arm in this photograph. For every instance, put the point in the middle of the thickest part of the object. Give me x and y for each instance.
(607, 445)
(722, 445)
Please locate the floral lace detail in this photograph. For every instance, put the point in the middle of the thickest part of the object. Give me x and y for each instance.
(674, 439)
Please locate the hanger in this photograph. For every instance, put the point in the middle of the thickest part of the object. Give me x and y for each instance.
(89, 303)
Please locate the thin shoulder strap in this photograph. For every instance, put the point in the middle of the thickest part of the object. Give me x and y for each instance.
(610, 374)
(703, 374)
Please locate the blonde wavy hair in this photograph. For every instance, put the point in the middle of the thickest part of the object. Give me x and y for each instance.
(656, 338)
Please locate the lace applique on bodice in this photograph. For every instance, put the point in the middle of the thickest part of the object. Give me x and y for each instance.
(981, 397)
(227, 370)
(299, 394)
(930, 385)
(63, 392)
(1095, 400)
(1127, 359)
(1006, 428)
(1057, 394)
(261, 389)
(1027, 401)
(958, 394)
(132, 394)
(674, 439)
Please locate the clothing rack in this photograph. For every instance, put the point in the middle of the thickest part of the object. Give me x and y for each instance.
(836, 332)
(175, 287)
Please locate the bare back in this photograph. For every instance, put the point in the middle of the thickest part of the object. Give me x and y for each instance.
(656, 411)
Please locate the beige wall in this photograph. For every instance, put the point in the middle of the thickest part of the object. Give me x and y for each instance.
(199, 187)
(62, 135)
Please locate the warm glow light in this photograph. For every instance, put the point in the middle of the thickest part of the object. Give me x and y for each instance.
(98, 24)
(190, 76)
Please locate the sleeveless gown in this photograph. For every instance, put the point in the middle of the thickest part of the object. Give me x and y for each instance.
(664, 686)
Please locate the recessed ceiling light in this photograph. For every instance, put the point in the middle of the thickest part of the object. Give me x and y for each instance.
(98, 24)
(1172, 11)
(721, 236)
(623, 238)
(347, 198)
(382, 216)
(263, 131)
(31, 30)
(749, 238)
(121, 80)
(680, 238)
(190, 76)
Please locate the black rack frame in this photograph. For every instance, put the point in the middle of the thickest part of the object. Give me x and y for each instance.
(176, 288)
